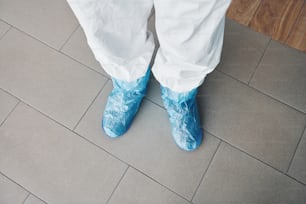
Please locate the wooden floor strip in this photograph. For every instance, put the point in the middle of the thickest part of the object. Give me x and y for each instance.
(287, 20)
(268, 15)
(283, 20)
(242, 11)
(297, 37)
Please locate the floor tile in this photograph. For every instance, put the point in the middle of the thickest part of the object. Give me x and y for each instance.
(57, 165)
(282, 74)
(234, 177)
(3, 28)
(153, 92)
(49, 81)
(50, 21)
(149, 147)
(135, 188)
(77, 48)
(250, 120)
(33, 200)
(152, 28)
(11, 193)
(242, 50)
(7, 103)
(298, 166)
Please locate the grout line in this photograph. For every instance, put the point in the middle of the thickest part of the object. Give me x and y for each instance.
(222, 140)
(114, 156)
(90, 105)
(1, 173)
(300, 182)
(63, 126)
(44, 114)
(8, 115)
(130, 165)
(205, 172)
(59, 52)
(119, 159)
(136, 168)
(98, 146)
(300, 139)
(158, 106)
(26, 198)
(151, 178)
(259, 61)
(259, 91)
(12, 95)
(237, 148)
(3, 35)
(47, 116)
(86, 66)
(111, 154)
(66, 41)
(221, 71)
(29, 35)
(150, 100)
(67, 128)
(278, 100)
(117, 185)
(101, 148)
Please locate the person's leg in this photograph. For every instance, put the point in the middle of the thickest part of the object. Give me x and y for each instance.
(190, 34)
(116, 31)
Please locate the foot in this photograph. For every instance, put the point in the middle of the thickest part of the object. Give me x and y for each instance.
(123, 104)
(184, 118)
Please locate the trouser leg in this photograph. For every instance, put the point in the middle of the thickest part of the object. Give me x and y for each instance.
(190, 34)
(116, 31)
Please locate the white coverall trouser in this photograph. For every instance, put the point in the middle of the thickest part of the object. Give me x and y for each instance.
(190, 33)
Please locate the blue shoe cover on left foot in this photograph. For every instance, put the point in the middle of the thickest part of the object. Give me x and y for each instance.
(184, 118)
(123, 104)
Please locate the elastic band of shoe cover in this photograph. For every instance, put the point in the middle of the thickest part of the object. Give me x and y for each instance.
(129, 86)
(178, 97)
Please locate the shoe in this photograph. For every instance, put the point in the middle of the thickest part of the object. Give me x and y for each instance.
(123, 104)
(184, 118)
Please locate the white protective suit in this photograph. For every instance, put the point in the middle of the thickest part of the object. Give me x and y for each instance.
(190, 33)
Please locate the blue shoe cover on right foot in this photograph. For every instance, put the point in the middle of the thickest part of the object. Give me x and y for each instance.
(184, 118)
(123, 104)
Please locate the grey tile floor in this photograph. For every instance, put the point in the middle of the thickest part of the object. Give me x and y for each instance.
(52, 149)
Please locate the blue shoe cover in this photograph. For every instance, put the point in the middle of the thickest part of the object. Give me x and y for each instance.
(184, 118)
(123, 104)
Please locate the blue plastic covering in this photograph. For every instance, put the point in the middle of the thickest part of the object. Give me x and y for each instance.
(123, 104)
(184, 118)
